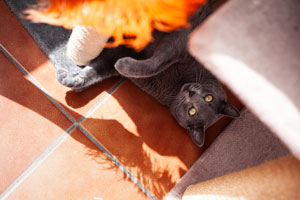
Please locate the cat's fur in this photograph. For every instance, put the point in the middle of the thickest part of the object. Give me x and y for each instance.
(166, 71)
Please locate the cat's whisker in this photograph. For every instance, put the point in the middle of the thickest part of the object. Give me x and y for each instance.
(200, 76)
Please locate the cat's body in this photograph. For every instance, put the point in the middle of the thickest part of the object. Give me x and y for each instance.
(166, 71)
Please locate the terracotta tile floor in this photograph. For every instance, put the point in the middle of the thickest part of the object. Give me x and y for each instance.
(111, 141)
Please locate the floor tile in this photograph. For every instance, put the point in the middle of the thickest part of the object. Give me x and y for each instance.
(77, 170)
(18, 42)
(27, 127)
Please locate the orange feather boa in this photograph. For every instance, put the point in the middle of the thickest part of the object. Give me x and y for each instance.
(129, 22)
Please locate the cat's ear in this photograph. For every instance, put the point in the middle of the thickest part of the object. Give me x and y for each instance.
(198, 135)
(229, 110)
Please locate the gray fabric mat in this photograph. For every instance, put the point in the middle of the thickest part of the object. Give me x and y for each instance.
(51, 39)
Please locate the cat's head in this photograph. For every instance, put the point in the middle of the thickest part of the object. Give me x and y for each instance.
(197, 106)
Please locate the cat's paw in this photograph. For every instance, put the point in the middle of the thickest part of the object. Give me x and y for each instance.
(133, 68)
(125, 66)
(79, 89)
(73, 80)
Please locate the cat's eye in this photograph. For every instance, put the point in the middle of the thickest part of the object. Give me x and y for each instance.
(192, 111)
(208, 98)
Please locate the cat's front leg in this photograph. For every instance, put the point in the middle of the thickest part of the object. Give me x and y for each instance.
(171, 49)
(132, 68)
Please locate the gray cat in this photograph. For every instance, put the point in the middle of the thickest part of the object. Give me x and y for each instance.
(166, 71)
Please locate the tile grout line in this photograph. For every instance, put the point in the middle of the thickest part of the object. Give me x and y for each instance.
(100, 101)
(102, 148)
(35, 82)
(116, 162)
(37, 162)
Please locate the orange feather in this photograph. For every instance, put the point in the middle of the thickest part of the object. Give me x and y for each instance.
(134, 19)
